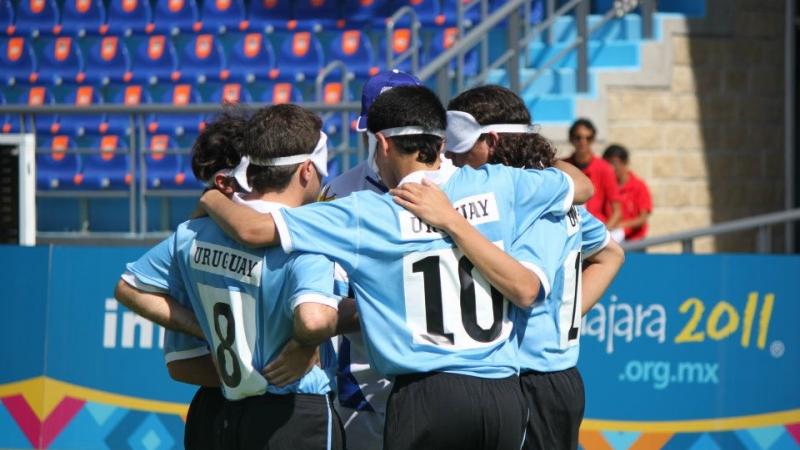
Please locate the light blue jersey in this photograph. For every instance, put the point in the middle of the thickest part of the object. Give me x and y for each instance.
(243, 299)
(549, 332)
(422, 305)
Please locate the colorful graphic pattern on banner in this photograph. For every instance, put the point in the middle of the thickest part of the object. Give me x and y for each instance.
(684, 353)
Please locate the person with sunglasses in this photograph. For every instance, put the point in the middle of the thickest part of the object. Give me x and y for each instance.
(605, 205)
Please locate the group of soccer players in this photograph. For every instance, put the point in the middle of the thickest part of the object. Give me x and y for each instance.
(433, 300)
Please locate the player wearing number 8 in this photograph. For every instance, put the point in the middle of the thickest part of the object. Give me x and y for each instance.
(557, 246)
(429, 315)
(252, 304)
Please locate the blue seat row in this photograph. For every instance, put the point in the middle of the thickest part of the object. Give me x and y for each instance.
(249, 57)
(81, 17)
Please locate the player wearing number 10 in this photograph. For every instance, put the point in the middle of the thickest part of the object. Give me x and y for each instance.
(249, 303)
(430, 318)
(492, 124)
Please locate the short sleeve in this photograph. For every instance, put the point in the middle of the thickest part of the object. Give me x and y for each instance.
(311, 280)
(540, 248)
(329, 228)
(540, 192)
(594, 234)
(156, 270)
(178, 346)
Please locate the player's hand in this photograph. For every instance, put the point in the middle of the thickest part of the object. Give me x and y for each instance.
(427, 202)
(293, 362)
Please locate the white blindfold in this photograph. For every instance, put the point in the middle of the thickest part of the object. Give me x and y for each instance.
(319, 157)
(463, 130)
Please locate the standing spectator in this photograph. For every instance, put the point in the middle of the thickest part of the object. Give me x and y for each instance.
(605, 203)
(634, 194)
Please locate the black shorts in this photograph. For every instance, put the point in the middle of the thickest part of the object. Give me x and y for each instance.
(556, 401)
(276, 422)
(206, 405)
(449, 411)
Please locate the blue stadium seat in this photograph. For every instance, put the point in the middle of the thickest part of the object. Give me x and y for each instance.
(429, 12)
(277, 93)
(202, 59)
(318, 15)
(251, 58)
(78, 124)
(154, 61)
(271, 15)
(61, 61)
(300, 57)
(177, 124)
(59, 168)
(130, 95)
(18, 61)
(5, 119)
(443, 40)
(35, 17)
(42, 123)
(107, 61)
(332, 94)
(129, 16)
(175, 16)
(7, 17)
(401, 42)
(354, 49)
(230, 93)
(222, 16)
(109, 168)
(358, 13)
(162, 166)
(79, 17)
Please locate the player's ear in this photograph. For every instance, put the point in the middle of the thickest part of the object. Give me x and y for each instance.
(382, 144)
(224, 184)
(307, 171)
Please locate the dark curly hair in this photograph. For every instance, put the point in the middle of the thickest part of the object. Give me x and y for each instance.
(220, 144)
(493, 104)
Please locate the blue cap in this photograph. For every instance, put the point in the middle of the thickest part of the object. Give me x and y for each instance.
(378, 84)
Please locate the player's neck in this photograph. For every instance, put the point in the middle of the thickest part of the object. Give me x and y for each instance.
(289, 196)
(409, 164)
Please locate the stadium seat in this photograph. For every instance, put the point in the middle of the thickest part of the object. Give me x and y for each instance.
(78, 124)
(109, 167)
(177, 124)
(128, 16)
(277, 93)
(230, 93)
(300, 57)
(358, 13)
(7, 17)
(271, 15)
(443, 40)
(61, 61)
(154, 61)
(130, 95)
(222, 16)
(35, 17)
(162, 166)
(107, 61)
(251, 59)
(18, 61)
(5, 118)
(354, 49)
(318, 15)
(41, 123)
(174, 17)
(334, 93)
(79, 17)
(429, 12)
(202, 59)
(58, 165)
(401, 42)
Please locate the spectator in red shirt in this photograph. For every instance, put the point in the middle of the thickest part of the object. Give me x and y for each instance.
(636, 202)
(605, 203)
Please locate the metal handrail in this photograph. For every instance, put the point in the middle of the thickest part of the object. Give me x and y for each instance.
(762, 223)
(414, 47)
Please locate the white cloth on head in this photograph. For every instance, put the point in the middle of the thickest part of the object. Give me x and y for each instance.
(463, 130)
(319, 156)
(240, 174)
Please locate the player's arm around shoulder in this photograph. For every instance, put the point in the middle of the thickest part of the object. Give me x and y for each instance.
(584, 189)
(245, 225)
(599, 271)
